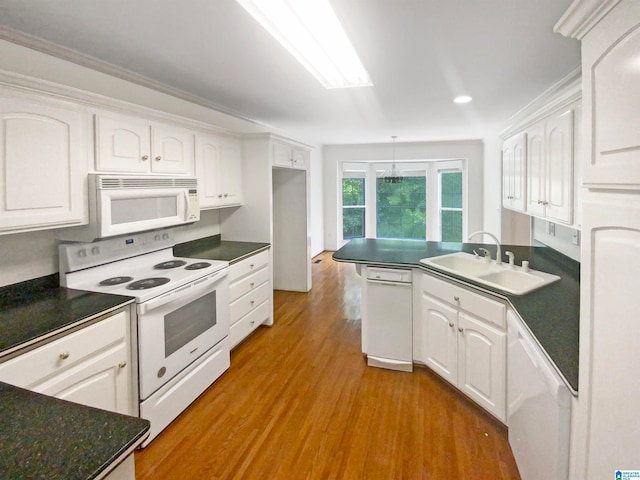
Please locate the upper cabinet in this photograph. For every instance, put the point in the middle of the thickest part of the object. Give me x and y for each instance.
(43, 159)
(550, 168)
(130, 145)
(514, 156)
(290, 157)
(611, 75)
(219, 171)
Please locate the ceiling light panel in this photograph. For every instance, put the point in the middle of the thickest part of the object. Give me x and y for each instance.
(311, 32)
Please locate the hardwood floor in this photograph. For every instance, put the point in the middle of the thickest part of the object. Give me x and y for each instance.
(299, 402)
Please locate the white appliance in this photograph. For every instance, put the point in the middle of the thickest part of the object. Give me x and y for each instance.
(389, 319)
(539, 408)
(125, 204)
(182, 314)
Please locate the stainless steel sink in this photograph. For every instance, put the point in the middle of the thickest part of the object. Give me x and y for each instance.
(504, 277)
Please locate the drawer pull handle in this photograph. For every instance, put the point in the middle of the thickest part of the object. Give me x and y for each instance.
(460, 329)
(145, 157)
(251, 266)
(253, 322)
(122, 364)
(252, 302)
(64, 355)
(451, 325)
(158, 158)
(456, 298)
(252, 284)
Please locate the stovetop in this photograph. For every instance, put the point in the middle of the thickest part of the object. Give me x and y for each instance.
(143, 276)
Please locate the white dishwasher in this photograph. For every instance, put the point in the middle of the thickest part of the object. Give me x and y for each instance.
(388, 326)
(539, 408)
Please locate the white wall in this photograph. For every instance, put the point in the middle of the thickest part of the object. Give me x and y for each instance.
(334, 155)
(493, 185)
(316, 202)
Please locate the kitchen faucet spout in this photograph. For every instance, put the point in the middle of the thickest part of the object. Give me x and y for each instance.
(495, 239)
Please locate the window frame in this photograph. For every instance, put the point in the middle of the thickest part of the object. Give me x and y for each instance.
(349, 175)
(451, 209)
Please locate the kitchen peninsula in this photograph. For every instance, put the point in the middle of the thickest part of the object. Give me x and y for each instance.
(551, 313)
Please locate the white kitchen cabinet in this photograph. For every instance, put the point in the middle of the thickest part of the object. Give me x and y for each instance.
(290, 157)
(604, 438)
(43, 162)
(132, 145)
(219, 171)
(250, 296)
(461, 335)
(550, 168)
(514, 156)
(91, 366)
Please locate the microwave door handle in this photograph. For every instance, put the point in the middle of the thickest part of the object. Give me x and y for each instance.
(195, 290)
(186, 204)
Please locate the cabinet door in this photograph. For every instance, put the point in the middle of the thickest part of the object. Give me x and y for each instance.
(172, 150)
(231, 172)
(481, 363)
(122, 145)
(514, 172)
(300, 158)
(101, 381)
(536, 170)
(558, 201)
(611, 82)
(208, 167)
(609, 339)
(43, 163)
(436, 337)
(282, 155)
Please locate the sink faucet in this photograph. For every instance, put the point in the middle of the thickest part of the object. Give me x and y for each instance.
(498, 249)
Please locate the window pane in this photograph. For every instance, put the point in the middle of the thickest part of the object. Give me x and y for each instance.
(451, 189)
(352, 191)
(401, 208)
(352, 223)
(451, 221)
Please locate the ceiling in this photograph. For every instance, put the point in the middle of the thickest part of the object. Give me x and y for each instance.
(419, 53)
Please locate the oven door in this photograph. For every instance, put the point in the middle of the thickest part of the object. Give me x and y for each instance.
(176, 328)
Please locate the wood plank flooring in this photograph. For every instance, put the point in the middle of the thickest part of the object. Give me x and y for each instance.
(299, 402)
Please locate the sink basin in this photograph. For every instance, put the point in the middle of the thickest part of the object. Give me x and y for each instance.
(503, 277)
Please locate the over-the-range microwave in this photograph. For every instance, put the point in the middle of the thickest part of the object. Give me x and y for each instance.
(124, 204)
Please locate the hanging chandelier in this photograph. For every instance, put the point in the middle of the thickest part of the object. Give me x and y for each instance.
(393, 175)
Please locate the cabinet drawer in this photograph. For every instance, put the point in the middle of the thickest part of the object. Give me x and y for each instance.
(485, 307)
(251, 264)
(249, 323)
(65, 352)
(248, 302)
(250, 282)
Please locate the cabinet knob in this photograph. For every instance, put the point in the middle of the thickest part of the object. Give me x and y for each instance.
(122, 364)
(145, 157)
(226, 195)
(252, 284)
(64, 355)
(219, 195)
(460, 329)
(251, 266)
(252, 322)
(252, 302)
(158, 158)
(451, 324)
(456, 298)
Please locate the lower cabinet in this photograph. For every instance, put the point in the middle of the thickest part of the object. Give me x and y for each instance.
(250, 296)
(461, 335)
(91, 366)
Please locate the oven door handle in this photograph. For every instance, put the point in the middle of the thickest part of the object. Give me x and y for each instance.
(184, 294)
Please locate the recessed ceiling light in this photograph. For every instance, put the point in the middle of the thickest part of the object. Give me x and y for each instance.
(311, 32)
(462, 99)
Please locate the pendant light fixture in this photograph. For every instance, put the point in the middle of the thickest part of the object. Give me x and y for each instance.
(393, 175)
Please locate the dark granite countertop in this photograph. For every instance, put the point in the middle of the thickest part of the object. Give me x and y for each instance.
(35, 310)
(551, 313)
(43, 437)
(214, 248)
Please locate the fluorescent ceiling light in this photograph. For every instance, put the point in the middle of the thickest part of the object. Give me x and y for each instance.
(462, 99)
(311, 32)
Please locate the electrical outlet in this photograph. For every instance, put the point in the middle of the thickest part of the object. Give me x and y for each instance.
(551, 228)
(575, 237)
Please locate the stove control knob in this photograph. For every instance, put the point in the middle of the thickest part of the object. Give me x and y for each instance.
(82, 252)
(161, 372)
(95, 251)
(165, 236)
(156, 237)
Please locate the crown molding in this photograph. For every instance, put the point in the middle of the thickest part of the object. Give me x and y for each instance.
(87, 61)
(561, 94)
(582, 16)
